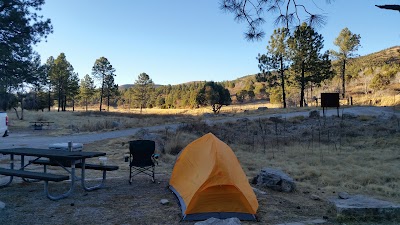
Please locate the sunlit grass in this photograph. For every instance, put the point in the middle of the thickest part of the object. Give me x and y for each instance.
(356, 155)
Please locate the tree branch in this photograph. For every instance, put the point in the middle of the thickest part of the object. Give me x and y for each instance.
(391, 7)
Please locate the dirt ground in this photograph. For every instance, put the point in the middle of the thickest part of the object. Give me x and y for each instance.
(139, 203)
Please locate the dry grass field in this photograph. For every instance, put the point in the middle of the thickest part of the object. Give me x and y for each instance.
(358, 155)
(80, 121)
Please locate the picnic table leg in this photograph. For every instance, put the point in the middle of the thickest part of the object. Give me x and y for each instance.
(66, 194)
(98, 186)
(22, 168)
(10, 177)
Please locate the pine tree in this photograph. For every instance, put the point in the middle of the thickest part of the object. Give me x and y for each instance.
(305, 46)
(277, 60)
(348, 43)
(142, 90)
(87, 89)
(102, 70)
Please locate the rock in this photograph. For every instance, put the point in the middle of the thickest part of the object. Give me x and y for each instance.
(243, 120)
(164, 201)
(276, 180)
(215, 221)
(314, 114)
(207, 115)
(259, 191)
(2, 205)
(144, 134)
(349, 116)
(115, 124)
(262, 108)
(308, 222)
(359, 207)
(254, 180)
(276, 119)
(343, 195)
(315, 197)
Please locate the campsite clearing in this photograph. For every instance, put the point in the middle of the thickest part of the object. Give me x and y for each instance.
(357, 154)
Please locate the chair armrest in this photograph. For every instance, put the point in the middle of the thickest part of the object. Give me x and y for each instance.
(154, 157)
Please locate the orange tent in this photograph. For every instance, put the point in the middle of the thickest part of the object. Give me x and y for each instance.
(209, 182)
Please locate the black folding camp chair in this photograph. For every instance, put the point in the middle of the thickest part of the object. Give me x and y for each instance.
(142, 158)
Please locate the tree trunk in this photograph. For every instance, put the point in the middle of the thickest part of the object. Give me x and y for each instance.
(108, 101)
(311, 90)
(302, 81)
(101, 95)
(16, 112)
(65, 103)
(35, 101)
(129, 104)
(73, 105)
(22, 109)
(365, 84)
(108, 104)
(283, 84)
(343, 78)
(59, 100)
(49, 100)
(86, 104)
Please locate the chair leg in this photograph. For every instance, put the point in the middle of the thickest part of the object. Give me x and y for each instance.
(153, 179)
(149, 171)
(130, 175)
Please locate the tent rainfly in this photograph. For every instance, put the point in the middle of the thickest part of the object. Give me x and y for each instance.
(209, 182)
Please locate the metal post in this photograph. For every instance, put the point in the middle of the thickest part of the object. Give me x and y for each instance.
(70, 146)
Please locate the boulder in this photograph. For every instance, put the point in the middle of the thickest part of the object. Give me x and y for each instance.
(359, 207)
(343, 195)
(308, 222)
(243, 120)
(208, 115)
(259, 191)
(215, 221)
(276, 119)
(315, 197)
(144, 134)
(115, 124)
(2, 205)
(276, 180)
(349, 116)
(314, 114)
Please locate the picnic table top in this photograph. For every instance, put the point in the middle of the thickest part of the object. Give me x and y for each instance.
(51, 153)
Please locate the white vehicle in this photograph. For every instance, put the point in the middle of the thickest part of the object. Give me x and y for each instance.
(3, 124)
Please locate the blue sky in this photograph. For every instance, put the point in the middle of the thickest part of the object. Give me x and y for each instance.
(185, 40)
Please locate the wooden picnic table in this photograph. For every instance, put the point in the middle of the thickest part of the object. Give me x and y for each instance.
(38, 125)
(77, 160)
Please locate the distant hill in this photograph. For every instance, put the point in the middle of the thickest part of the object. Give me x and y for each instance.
(386, 56)
(124, 86)
(365, 80)
(127, 86)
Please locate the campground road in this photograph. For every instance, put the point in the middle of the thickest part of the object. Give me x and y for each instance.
(24, 140)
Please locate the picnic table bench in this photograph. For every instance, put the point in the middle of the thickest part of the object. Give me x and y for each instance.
(38, 125)
(88, 166)
(56, 158)
(33, 175)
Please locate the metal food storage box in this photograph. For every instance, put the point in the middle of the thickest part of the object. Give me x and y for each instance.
(75, 147)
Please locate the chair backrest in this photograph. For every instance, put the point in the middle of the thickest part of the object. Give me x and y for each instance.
(141, 151)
